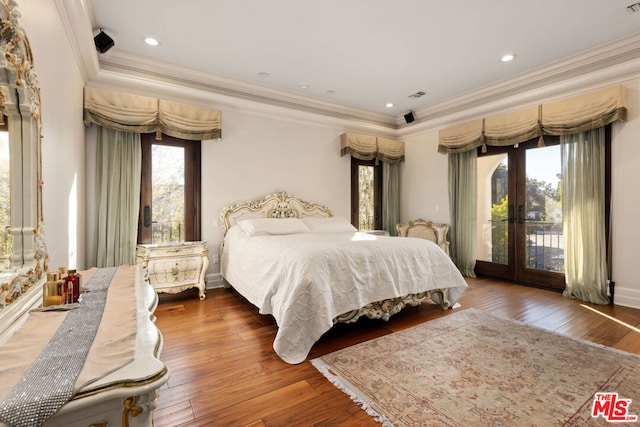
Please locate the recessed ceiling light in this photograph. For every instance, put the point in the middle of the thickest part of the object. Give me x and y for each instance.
(389, 105)
(331, 92)
(151, 41)
(263, 74)
(304, 86)
(508, 57)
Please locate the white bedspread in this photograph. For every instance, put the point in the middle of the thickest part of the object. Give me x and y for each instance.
(305, 280)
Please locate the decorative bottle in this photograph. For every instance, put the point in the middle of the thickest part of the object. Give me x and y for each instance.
(53, 290)
(74, 278)
(67, 290)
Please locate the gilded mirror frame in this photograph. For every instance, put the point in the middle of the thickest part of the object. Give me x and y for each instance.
(21, 105)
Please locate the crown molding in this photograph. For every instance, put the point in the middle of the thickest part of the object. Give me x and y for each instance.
(615, 74)
(606, 64)
(566, 72)
(144, 86)
(77, 18)
(118, 61)
(564, 75)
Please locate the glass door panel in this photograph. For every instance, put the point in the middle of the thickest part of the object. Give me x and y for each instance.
(493, 209)
(366, 207)
(544, 242)
(366, 194)
(169, 190)
(167, 194)
(5, 201)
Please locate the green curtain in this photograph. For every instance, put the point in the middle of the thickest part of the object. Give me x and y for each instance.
(463, 195)
(117, 177)
(390, 197)
(583, 203)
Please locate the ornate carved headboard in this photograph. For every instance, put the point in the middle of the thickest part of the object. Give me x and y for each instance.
(277, 205)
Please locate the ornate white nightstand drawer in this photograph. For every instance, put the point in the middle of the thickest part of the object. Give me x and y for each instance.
(173, 268)
(182, 250)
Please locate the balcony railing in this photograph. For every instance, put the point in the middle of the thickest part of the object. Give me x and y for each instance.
(167, 232)
(544, 245)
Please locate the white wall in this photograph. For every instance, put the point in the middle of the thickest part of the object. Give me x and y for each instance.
(63, 144)
(259, 155)
(625, 177)
(424, 192)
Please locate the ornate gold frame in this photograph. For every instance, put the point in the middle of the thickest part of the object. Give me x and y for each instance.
(17, 59)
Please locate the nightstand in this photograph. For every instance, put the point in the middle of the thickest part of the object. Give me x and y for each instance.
(175, 267)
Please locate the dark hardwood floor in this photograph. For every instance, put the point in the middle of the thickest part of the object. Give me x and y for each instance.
(224, 371)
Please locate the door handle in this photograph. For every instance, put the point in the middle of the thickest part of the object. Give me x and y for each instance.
(147, 216)
(520, 214)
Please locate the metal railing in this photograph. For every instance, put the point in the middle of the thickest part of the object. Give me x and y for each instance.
(167, 232)
(544, 246)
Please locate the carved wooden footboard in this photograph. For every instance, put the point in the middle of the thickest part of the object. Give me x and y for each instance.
(387, 308)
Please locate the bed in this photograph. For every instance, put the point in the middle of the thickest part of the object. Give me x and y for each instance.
(308, 269)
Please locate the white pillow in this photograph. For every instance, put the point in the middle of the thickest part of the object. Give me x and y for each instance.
(336, 224)
(273, 226)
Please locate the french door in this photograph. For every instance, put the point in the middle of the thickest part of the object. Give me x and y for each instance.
(169, 191)
(366, 194)
(520, 214)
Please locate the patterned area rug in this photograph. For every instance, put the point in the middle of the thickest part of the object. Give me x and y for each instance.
(471, 368)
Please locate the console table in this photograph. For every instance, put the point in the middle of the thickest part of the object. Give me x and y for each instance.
(175, 267)
(122, 374)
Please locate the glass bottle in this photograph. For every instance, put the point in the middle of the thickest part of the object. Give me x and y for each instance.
(74, 278)
(53, 290)
(67, 289)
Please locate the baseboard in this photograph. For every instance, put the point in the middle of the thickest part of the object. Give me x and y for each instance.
(627, 297)
(214, 281)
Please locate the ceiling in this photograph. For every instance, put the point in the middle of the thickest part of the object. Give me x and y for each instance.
(359, 55)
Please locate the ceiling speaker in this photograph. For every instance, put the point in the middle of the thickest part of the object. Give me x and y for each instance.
(409, 118)
(103, 42)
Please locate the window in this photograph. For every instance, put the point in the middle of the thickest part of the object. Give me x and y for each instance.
(5, 198)
(366, 194)
(169, 191)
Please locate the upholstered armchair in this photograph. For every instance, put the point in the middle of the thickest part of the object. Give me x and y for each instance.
(436, 232)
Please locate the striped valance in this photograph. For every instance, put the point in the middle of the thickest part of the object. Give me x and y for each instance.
(580, 113)
(141, 114)
(365, 147)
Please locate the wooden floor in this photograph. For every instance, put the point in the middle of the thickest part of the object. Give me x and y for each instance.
(224, 371)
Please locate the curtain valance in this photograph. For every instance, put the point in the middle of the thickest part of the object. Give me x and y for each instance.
(365, 147)
(141, 114)
(579, 113)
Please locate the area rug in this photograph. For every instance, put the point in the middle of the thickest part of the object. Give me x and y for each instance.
(471, 368)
